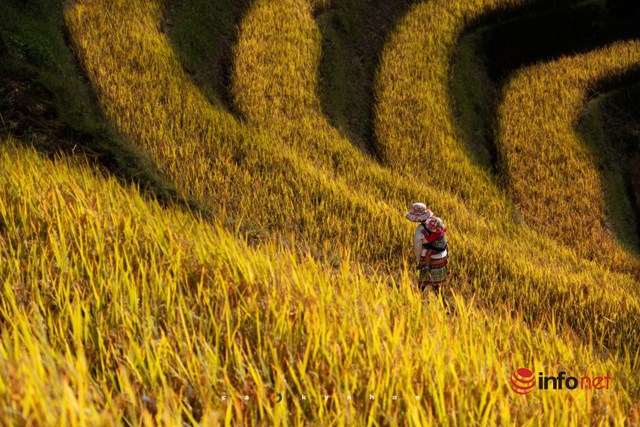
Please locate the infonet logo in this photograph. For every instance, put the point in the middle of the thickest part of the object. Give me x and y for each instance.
(523, 382)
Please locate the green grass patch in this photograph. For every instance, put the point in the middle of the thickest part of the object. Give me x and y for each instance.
(611, 128)
(46, 101)
(500, 43)
(474, 95)
(204, 34)
(353, 35)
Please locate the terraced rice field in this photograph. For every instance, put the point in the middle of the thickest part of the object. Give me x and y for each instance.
(284, 264)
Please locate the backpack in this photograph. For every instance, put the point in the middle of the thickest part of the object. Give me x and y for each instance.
(434, 225)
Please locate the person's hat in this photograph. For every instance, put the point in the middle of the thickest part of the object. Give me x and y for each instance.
(419, 213)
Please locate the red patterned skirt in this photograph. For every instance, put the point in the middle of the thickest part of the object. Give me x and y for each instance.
(437, 274)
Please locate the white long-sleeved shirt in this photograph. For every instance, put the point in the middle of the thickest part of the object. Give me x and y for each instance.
(419, 240)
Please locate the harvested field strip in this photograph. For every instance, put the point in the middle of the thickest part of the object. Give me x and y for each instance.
(353, 35)
(539, 33)
(500, 43)
(610, 127)
(203, 34)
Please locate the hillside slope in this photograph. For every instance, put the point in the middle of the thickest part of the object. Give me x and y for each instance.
(299, 279)
(148, 315)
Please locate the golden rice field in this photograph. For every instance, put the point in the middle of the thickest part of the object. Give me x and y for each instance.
(564, 201)
(120, 310)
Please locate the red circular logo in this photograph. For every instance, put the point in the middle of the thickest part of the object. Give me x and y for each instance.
(522, 381)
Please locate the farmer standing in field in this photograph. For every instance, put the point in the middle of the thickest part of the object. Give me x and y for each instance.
(430, 247)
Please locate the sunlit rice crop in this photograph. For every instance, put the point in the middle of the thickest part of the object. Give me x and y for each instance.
(146, 315)
(118, 310)
(552, 175)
